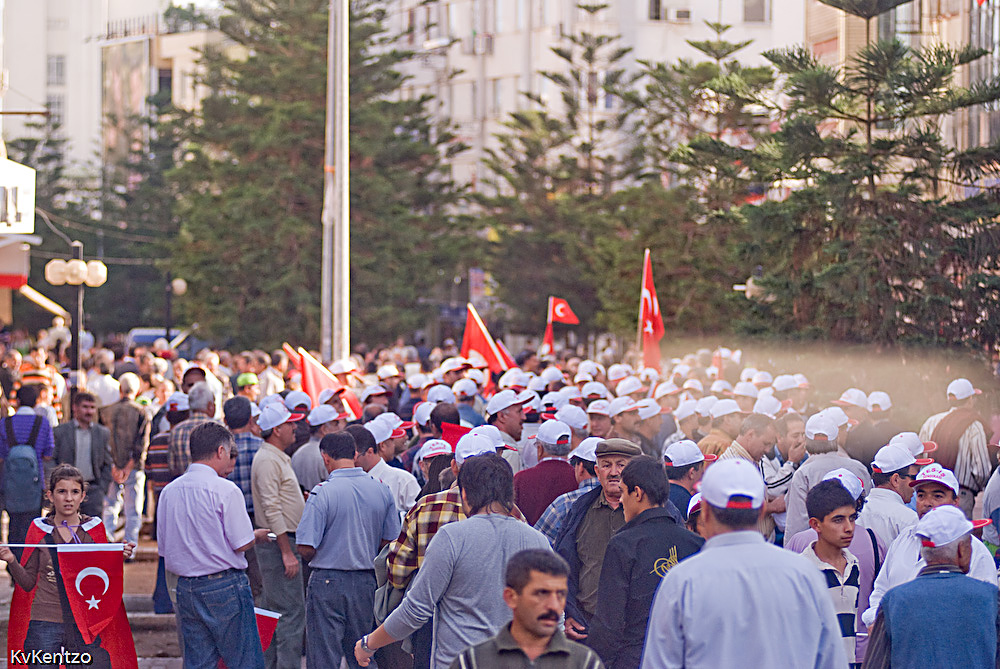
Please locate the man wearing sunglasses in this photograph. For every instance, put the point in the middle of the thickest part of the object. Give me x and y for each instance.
(885, 512)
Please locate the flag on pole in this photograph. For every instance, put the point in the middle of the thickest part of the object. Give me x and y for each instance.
(316, 378)
(452, 433)
(650, 320)
(559, 312)
(478, 338)
(267, 622)
(93, 577)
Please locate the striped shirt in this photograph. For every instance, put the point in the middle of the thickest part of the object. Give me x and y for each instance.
(844, 589)
(972, 464)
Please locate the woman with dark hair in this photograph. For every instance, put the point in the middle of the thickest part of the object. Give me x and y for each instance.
(461, 580)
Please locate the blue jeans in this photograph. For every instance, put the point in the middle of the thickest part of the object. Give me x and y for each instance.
(132, 496)
(46, 637)
(218, 621)
(340, 609)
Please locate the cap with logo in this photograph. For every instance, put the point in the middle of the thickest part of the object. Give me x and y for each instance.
(554, 433)
(504, 400)
(394, 421)
(838, 416)
(433, 448)
(599, 407)
(727, 479)
(327, 393)
(848, 479)
(694, 505)
(935, 473)
(962, 389)
(852, 397)
(275, 414)
(879, 401)
(618, 447)
(620, 405)
(912, 442)
(573, 416)
(177, 402)
(587, 450)
(513, 378)
(685, 452)
(821, 428)
(471, 445)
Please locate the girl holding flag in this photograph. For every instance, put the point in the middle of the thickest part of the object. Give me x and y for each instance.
(40, 598)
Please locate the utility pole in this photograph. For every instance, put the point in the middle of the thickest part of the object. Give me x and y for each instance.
(335, 295)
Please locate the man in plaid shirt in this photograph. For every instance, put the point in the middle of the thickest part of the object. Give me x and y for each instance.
(237, 412)
(421, 523)
(584, 461)
(201, 401)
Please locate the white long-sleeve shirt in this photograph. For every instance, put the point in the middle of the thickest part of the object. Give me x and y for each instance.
(402, 484)
(886, 514)
(903, 561)
(741, 602)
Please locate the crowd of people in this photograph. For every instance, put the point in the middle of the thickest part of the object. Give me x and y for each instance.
(423, 512)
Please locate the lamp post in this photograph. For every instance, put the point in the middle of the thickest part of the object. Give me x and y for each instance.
(77, 273)
(177, 287)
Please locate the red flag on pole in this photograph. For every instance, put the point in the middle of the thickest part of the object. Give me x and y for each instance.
(267, 621)
(559, 312)
(650, 320)
(452, 433)
(477, 338)
(316, 378)
(92, 574)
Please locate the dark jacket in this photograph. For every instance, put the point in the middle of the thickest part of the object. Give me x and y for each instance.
(565, 546)
(64, 437)
(638, 557)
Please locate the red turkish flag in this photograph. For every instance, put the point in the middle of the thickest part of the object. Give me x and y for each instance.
(560, 312)
(316, 378)
(267, 621)
(452, 433)
(93, 575)
(650, 320)
(477, 338)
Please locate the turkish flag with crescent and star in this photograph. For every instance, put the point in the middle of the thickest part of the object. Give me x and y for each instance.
(560, 312)
(650, 320)
(92, 574)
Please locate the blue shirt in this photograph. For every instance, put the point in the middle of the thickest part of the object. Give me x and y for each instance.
(768, 608)
(45, 445)
(346, 518)
(247, 446)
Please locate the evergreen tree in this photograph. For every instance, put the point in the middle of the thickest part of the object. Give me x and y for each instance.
(251, 182)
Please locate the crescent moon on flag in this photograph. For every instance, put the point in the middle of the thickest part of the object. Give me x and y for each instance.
(560, 310)
(92, 571)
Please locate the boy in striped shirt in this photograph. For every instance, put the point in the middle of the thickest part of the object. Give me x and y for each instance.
(832, 511)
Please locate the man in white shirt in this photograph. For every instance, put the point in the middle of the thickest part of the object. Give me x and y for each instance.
(885, 511)
(936, 486)
(373, 450)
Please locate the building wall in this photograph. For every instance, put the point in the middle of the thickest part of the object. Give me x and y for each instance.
(497, 48)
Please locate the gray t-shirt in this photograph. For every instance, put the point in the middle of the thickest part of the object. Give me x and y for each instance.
(460, 584)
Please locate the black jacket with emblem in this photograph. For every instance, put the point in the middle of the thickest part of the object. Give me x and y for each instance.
(639, 555)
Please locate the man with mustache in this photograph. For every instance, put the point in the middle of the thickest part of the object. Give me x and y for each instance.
(536, 594)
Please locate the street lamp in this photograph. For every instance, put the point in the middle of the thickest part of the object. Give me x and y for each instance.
(77, 273)
(178, 287)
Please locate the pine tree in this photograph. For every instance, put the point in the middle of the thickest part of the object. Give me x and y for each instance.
(251, 182)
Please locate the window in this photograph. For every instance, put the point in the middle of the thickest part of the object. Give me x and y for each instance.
(411, 26)
(496, 102)
(57, 70)
(56, 106)
(543, 12)
(498, 17)
(683, 14)
(756, 11)
(522, 11)
(655, 11)
(475, 101)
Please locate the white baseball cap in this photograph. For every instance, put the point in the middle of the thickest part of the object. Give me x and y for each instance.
(762, 379)
(599, 407)
(551, 375)
(724, 408)
(685, 409)
(324, 413)
(422, 412)
(685, 452)
(942, 525)
(513, 378)
(879, 401)
(394, 421)
(454, 364)
(911, 441)
(327, 393)
(893, 457)
(573, 416)
(621, 405)
(649, 375)
(532, 402)
(471, 445)
(416, 381)
(802, 380)
(693, 384)
(387, 372)
(570, 392)
(583, 377)
(589, 367)
(503, 400)
(664, 389)
(721, 386)
(371, 391)
(821, 428)
(735, 477)
(433, 448)
(441, 393)
(694, 504)
(746, 389)
(617, 372)
(629, 385)
(962, 389)
(768, 405)
(537, 384)
(853, 397)
(345, 366)
(381, 430)
(297, 398)
(587, 450)
(594, 389)
(492, 433)
(648, 408)
(464, 388)
(254, 411)
(178, 401)
(553, 432)
(848, 479)
(275, 414)
(747, 374)
(784, 382)
(935, 473)
(681, 370)
(477, 376)
(704, 406)
(838, 416)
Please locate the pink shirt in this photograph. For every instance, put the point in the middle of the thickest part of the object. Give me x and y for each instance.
(202, 521)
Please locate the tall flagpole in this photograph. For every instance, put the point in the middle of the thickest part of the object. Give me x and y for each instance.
(642, 284)
(335, 297)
